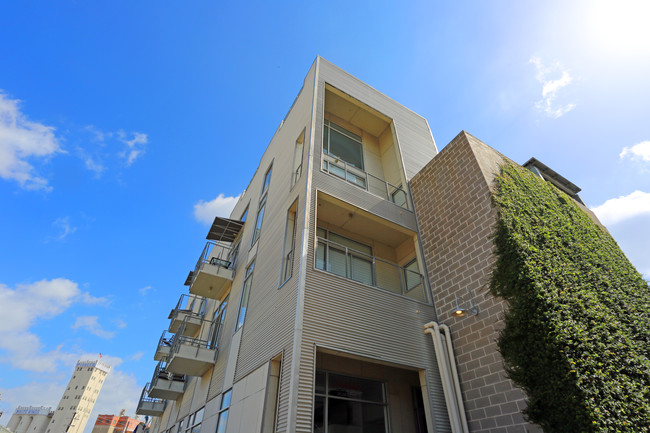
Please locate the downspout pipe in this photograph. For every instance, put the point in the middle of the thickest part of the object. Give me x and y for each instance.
(454, 375)
(449, 375)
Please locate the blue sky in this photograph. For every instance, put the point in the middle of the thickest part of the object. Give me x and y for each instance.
(125, 126)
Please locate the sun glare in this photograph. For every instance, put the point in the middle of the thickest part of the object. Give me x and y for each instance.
(619, 27)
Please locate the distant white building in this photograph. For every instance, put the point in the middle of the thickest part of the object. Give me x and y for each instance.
(30, 419)
(71, 415)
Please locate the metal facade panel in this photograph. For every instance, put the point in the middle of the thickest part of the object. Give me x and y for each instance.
(415, 140)
(345, 315)
(271, 310)
(187, 399)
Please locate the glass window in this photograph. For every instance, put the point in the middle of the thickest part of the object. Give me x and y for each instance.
(341, 143)
(345, 403)
(267, 180)
(223, 411)
(345, 257)
(289, 243)
(217, 323)
(258, 223)
(243, 305)
(232, 254)
(297, 159)
(193, 424)
(243, 216)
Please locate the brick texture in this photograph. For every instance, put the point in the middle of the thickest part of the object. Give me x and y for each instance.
(456, 220)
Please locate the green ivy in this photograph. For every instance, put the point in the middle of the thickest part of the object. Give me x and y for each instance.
(577, 330)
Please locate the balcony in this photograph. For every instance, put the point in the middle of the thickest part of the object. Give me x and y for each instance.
(190, 309)
(373, 184)
(150, 406)
(360, 147)
(165, 384)
(363, 247)
(213, 271)
(194, 356)
(370, 270)
(164, 345)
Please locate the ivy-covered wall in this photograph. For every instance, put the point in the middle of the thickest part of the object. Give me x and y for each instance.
(577, 330)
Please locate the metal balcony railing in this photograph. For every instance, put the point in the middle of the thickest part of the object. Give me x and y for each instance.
(180, 339)
(161, 373)
(379, 187)
(166, 340)
(144, 397)
(370, 270)
(189, 304)
(217, 255)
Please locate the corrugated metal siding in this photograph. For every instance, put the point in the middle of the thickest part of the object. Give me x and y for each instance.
(283, 392)
(217, 378)
(304, 411)
(271, 312)
(187, 399)
(354, 318)
(415, 140)
(164, 419)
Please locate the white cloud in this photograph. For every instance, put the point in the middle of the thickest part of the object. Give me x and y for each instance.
(91, 324)
(121, 324)
(22, 307)
(20, 140)
(95, 166)
(135, 146)
(31, 394)
(640, 151)
(103, 149)
(205, 211)
(619, 209)
(143, 291)
(137, 356)
(551, 87)
(64, 227)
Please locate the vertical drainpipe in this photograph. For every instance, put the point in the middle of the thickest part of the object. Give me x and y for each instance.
(449, 376)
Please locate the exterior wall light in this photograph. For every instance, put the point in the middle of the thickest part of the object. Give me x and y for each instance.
(462, 311)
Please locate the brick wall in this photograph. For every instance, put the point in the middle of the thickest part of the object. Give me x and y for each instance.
(456, 219)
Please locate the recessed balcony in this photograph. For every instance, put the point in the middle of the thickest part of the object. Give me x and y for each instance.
(213, 272)
(361, 267)
(165, 384)
(164, 345)
(357, 245)
(360, 147)
(191, 309)
(192, 356)
(364, 180)
(150, 406)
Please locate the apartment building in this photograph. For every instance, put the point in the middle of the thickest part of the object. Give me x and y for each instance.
(115, 424)
(327, 301)
(75, 406)
(78, 400)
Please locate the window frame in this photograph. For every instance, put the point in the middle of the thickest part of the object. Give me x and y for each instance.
(220, 312)
(297, 159)
(365, 256)
(327, 126)
(257, 229)
(191, 421)
(245, 294)
(325, 395)
(266, 182)
(222, 410)
(286, 271)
